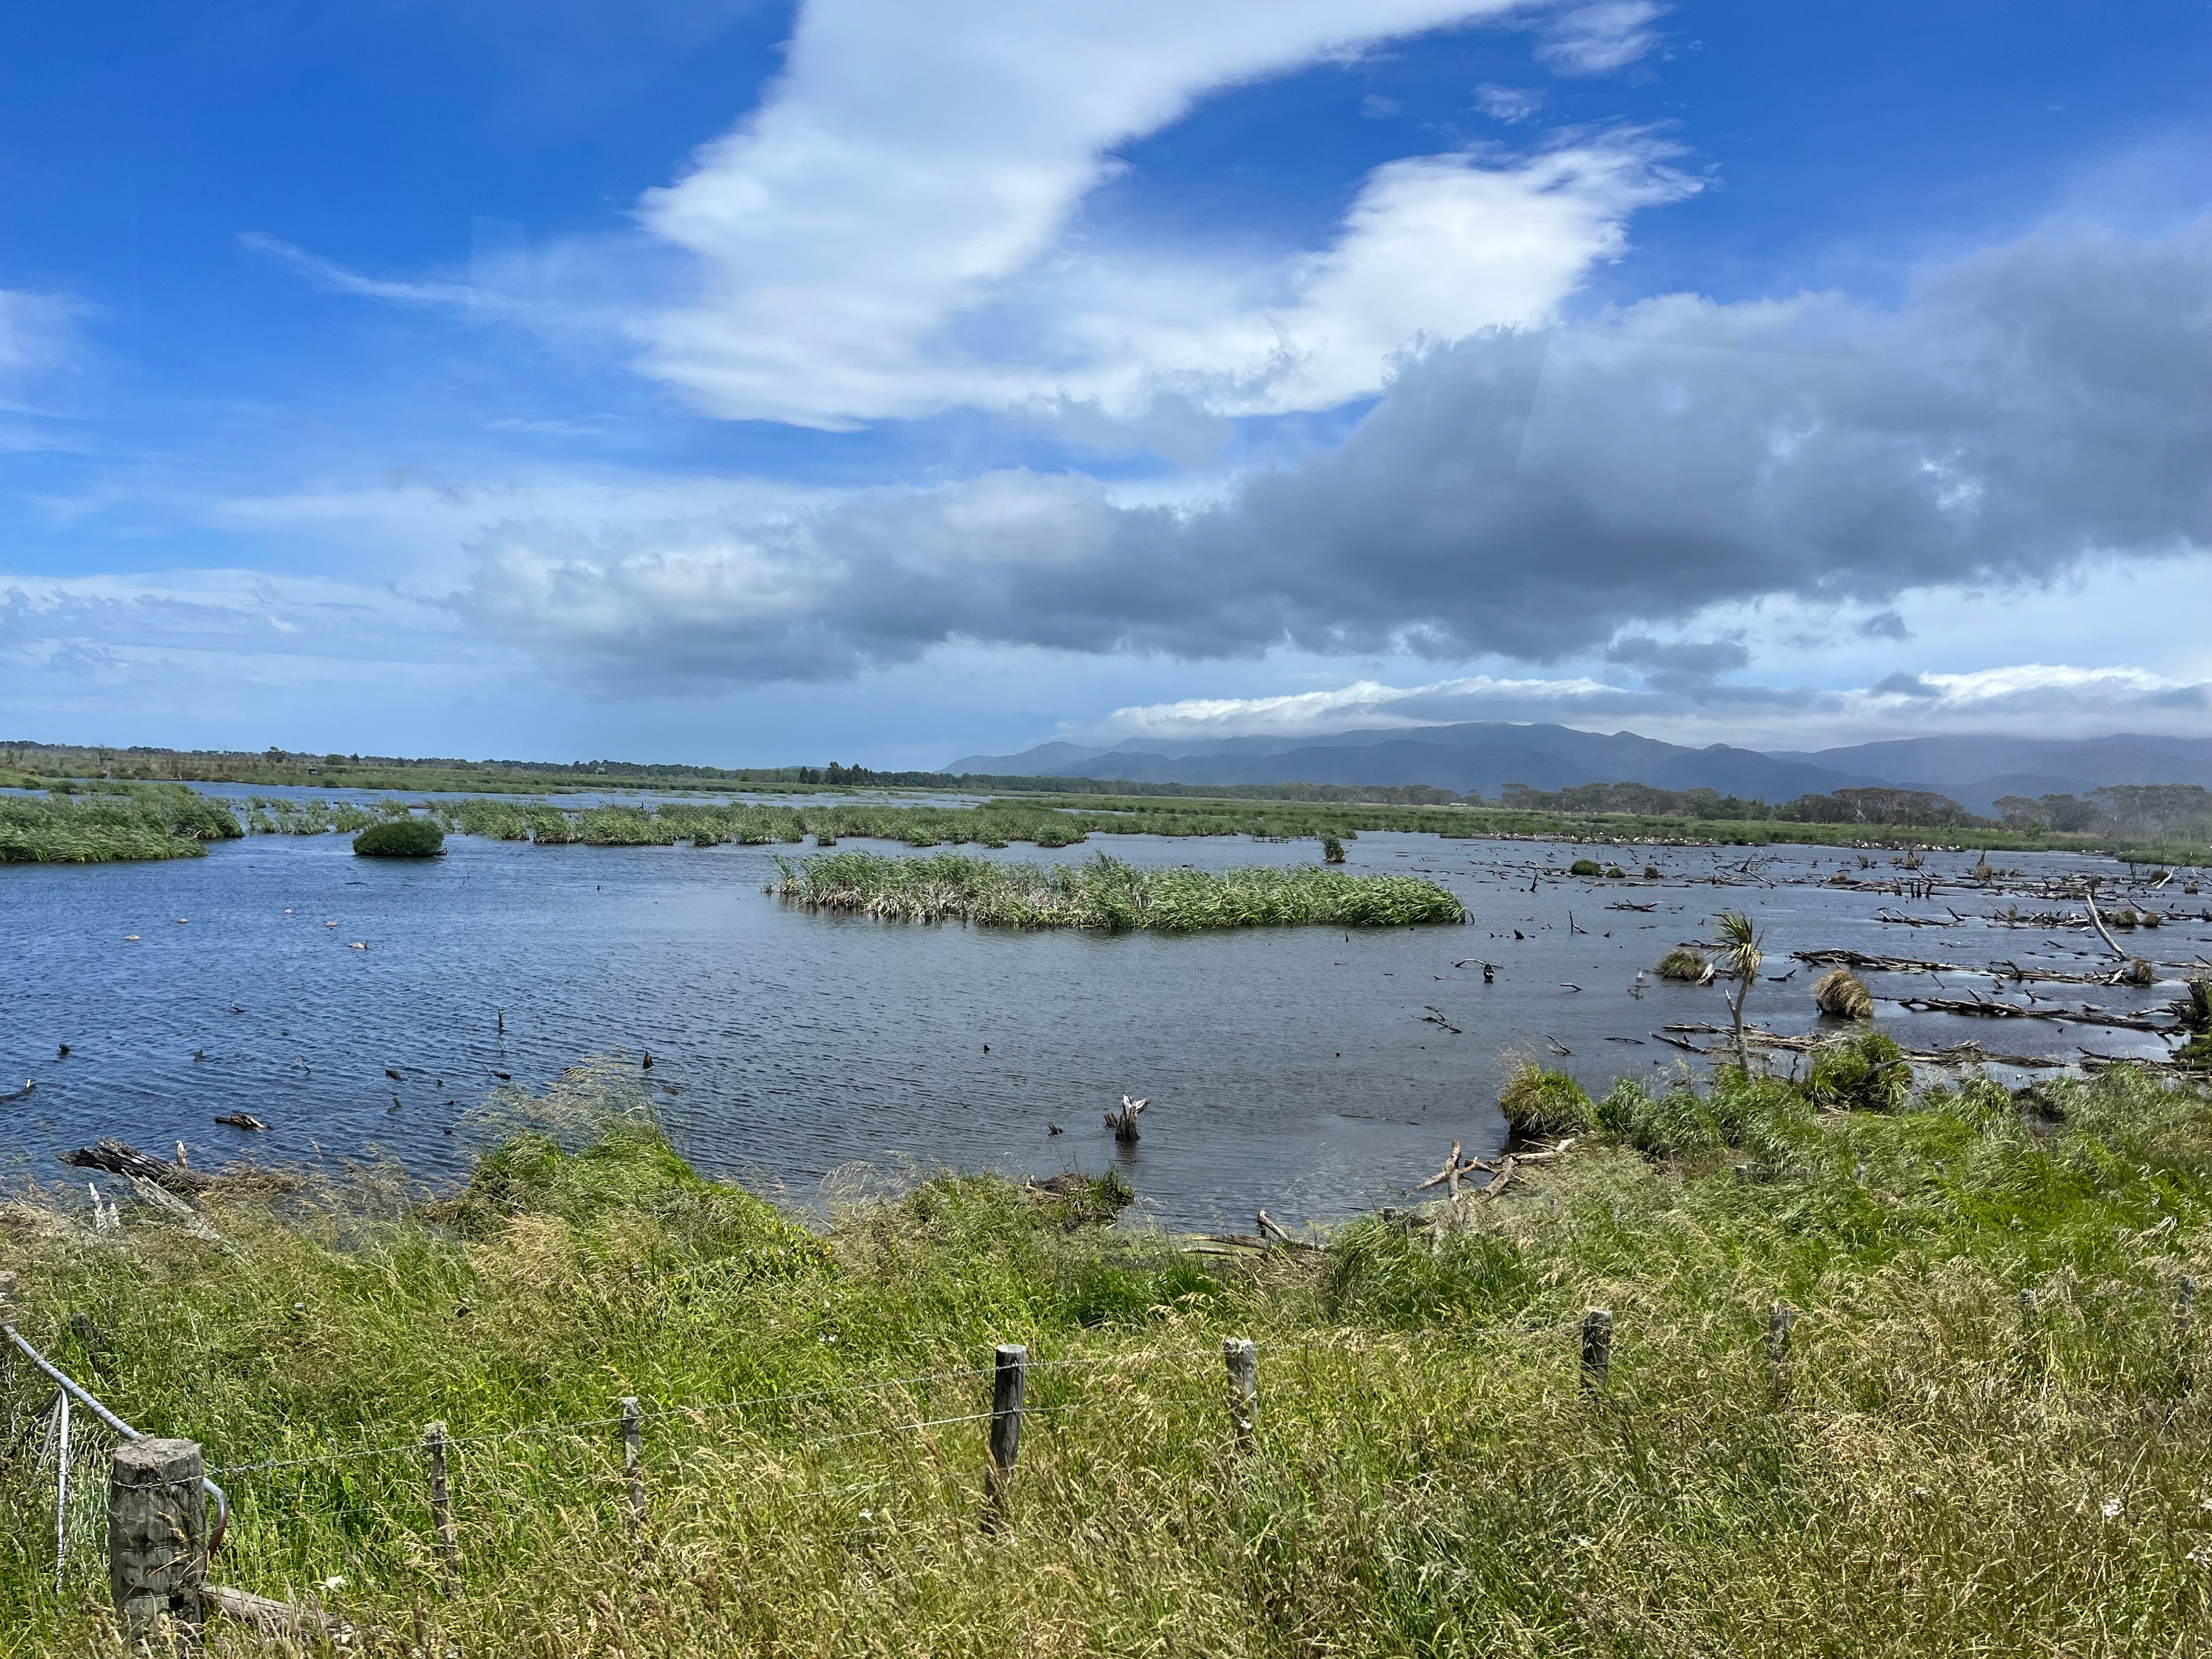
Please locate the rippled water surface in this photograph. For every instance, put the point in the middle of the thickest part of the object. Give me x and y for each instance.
(1302, 1069)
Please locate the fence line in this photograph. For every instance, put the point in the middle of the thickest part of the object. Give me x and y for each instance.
(696, 1409)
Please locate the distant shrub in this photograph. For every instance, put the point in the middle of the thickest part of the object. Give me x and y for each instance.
(1536, 1101)
(1585, 867)
(1867, 1072)
(1650, 873)
(1332, 850)
(401, 838)
(1615, 873)
(1686, 965)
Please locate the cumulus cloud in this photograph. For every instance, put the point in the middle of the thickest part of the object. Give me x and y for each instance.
(1533, 495)
(889, 234)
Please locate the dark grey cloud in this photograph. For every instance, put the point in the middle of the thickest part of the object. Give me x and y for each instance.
(1533, 495)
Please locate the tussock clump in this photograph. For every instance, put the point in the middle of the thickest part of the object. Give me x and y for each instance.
(1585, 867)
(1686, 965)
(401, 838)
(1109, 894)
(1838, 994)
(1538, 1103)
(1763, 1115)
(1867, 1072)
(2138, 972)
(1332, 850)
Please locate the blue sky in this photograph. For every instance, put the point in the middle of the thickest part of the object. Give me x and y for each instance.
(748, 383)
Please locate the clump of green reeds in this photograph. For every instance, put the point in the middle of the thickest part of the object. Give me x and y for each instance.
(116, 822)
(1106, 893)
(1866, 1073)
(1686, 965)
(1538, 1102)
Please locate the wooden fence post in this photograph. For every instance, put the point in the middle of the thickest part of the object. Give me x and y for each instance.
(441, 1507)
(1597, 1348)
(2184, 1310)
(1778, 1321)
(1009, 1388)
(633, 1433)
(157, 1538)
(1244, 1362)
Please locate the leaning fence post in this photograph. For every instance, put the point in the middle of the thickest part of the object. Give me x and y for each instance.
(633, 1433)
(1778, 1320)
(157, 1537)
(1597, 1348)
(1008, 1385)
(441, 1507)
(1244, 1362)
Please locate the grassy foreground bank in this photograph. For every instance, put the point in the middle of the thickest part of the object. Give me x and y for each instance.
(1105, 893)
(1939, 1470)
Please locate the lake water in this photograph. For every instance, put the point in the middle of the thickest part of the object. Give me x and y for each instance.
(1299, 1069)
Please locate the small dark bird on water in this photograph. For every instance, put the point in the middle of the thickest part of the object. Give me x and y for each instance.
(235, 1009)
(64, 1053)
(393, 1075)
(200, 1054)
(504, 1077)
(986, 1047)
(1055, 1128)
(648, 1060)
(393, 1107)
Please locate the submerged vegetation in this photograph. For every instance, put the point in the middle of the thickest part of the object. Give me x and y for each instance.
(1103, 893)
(1986, 1431)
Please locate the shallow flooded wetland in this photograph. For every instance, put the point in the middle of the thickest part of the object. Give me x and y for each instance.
(363, 1008)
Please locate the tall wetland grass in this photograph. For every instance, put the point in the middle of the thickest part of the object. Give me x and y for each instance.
(117, 822)
(1103, 893)
(1934, 1472)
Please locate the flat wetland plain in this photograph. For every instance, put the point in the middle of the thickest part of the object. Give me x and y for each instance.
(1315, 1071)
(1984, 1434)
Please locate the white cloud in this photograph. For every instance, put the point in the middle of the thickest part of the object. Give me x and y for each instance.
(889, 235)
(1507, 104)
(2022, 700)
(1599, 38)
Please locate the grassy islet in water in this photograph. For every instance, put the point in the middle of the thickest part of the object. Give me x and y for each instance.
(1105, 893)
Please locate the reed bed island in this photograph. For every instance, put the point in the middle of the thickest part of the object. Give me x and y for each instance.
(1103, 893)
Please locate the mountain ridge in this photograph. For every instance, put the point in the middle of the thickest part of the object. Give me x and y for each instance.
(1484, 757)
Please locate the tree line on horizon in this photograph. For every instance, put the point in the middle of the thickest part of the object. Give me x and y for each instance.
(2172, 810)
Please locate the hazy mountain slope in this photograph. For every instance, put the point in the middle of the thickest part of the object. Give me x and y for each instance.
(1485, 756)
(2076, 763)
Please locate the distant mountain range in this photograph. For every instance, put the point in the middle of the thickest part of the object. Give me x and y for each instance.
(1484, 757)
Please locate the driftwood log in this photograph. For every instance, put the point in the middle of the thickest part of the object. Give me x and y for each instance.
(1968, 1053)
(116, 1158)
